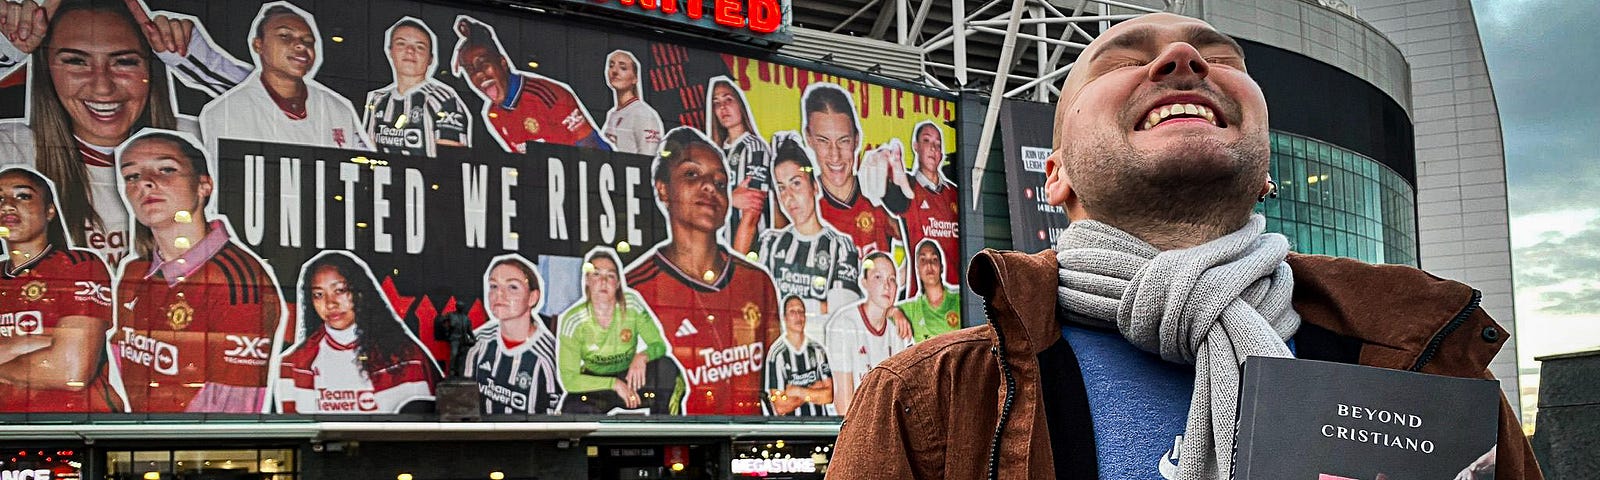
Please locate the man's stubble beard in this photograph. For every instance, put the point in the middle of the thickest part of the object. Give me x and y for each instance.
(1205, 188)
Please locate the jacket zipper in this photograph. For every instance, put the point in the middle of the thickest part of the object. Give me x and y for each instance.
(1455, 323)
(1011, 390)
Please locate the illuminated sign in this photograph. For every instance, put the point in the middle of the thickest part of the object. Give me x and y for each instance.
(764, 19)
(764, 466)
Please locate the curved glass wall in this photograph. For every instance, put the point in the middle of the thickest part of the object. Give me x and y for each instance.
(1333, 201)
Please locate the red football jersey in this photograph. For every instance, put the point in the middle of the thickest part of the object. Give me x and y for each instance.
(871, 227)
(540, 110)
(933, 214)
(323, 376)
(34, 297)
(718, 331)
(200, 342)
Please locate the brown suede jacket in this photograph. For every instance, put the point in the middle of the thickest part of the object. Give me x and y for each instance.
(968, 404)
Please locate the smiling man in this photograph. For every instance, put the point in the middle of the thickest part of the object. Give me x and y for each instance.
(280, 102)
(1160, 154)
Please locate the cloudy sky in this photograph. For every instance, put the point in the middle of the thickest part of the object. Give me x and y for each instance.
(1544, 61)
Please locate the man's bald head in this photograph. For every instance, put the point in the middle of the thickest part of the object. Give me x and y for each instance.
(1159, 126)
(1120, 35)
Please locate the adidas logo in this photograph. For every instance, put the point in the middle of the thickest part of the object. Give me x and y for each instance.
(686, 329)
(924, 204)
(485, 366)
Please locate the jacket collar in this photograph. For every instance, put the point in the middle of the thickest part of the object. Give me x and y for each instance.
(1395, 308)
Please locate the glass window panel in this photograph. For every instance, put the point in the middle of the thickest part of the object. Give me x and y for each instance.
(119, 462)
(160, 461)
(218, 461)
(277, 460)
(1298, 177)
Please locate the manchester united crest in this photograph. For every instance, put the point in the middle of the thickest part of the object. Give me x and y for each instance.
(752, 314)
(180, 314)
(34, 290)
(952, 319)
(531, 125)
(864, 223)
(627, 335)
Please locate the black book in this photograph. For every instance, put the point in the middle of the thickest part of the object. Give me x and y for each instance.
(1312, 420)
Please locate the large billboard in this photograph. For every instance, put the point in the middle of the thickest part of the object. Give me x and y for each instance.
(280, 209)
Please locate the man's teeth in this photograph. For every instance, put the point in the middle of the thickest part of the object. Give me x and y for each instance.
(1168, 111)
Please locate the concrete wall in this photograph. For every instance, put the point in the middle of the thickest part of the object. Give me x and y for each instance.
(1461, 176)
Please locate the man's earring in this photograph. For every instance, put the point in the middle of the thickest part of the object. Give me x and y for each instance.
(1272, 192)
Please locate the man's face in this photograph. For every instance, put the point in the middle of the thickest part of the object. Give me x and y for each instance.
(880, 283)
(510, 294)
(410, 51)
(23, 211)
(486, 72)
(332, 299)
(794, 316)
(930, 150)
(100, 74)
(930, 268)
(159, 181)
(602, 281)
(286, 46)
(833, 137)
(1159, 121)
(696, 195)
(797, 195)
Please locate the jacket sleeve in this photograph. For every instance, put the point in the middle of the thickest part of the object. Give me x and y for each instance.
(1514, 456)
(875, 440)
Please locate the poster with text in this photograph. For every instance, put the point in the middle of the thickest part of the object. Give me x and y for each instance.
(304, 208)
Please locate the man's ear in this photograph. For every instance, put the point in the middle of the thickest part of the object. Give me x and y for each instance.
(1268, 187)
(661, 193)
(1057, 187)
(255, 45)
(533, 297)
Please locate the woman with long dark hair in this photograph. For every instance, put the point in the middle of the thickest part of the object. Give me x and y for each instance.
(356, 356)
(58, 303)
(749, 158)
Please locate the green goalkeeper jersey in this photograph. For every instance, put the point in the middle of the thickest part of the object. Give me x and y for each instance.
(591, 356)
(929, 320)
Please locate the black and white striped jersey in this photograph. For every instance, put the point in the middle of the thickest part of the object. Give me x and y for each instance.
(433, 112)
(801, 367)
(811, 266)
(516, 378)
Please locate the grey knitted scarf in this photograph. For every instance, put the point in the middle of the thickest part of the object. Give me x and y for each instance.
(1211, 305)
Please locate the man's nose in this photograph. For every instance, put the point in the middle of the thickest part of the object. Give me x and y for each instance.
(1179, 60)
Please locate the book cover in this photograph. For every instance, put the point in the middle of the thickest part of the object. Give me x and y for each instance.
(1313, 420)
